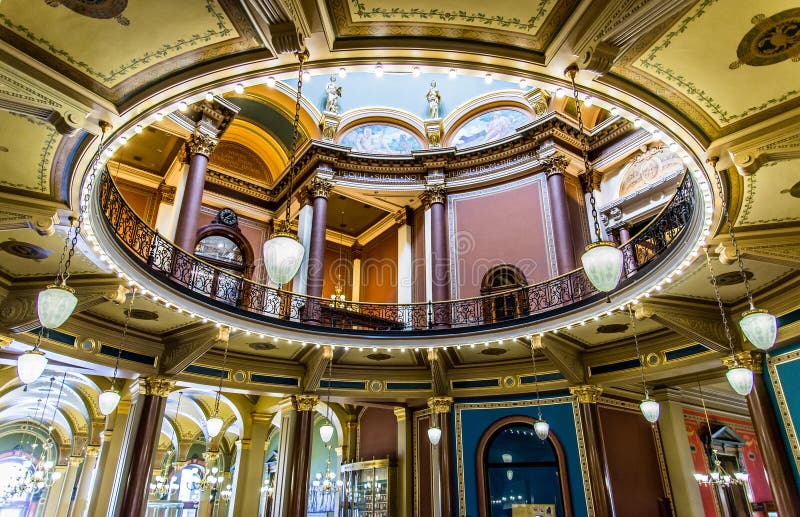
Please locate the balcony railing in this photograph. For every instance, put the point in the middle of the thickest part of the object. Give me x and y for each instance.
(227, 291)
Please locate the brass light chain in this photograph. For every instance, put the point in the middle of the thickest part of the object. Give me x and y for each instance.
(221, 376)
(585, 152)
(725, 324)
(301, 56)
(638, 352)
(536, 382)
(124, 336)
(731, 233)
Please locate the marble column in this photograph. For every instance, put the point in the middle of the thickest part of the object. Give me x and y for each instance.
(286, 444)
(71, 476)
(250, 471)
(555, 168)
(630, 258)
(770, 441)
(301, 472)
(588, 396)
(318, 191)
(112, 441)
(402, 219)
(204, 506)
(686, 498)
(86, 481)
(145, 440)
(165, 217)
(404, 501)
(54, 492)
(434, 197)
(199, 148)
(441, 459)
(305, 219)
(356, 251)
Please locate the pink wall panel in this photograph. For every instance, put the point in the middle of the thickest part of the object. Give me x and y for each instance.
(418, 252)
(379, 269)
(377, 434)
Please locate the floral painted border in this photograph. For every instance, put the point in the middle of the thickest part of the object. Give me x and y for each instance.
(689, 87)
(413, 13)
(42, 181)
(112, 76)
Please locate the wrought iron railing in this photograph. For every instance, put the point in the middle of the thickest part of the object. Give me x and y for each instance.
(237, 294)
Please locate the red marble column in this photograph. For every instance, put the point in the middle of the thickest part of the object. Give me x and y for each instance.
(434, 198)
(559, 211)
(445, 462)
(301, 472)
(199, 148)
(770, 441)
(587, 396)
(318, 191)
(154, 402)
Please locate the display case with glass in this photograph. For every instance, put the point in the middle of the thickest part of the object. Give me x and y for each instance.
(368, 489)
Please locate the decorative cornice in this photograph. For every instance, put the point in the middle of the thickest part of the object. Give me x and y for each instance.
(586, 393)
(305, 402)
(433, 194)
(401, 414)
(199, 143)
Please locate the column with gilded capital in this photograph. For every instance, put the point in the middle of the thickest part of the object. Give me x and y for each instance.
(153, 399)
(250, 469)
(65, 499)
(86, 482)
(405, 481)
(199, 148)
(318, 191)
(441, 459)
(588, 395)
(768, 433)
(555, 168)
(439, 263)
(301, 471)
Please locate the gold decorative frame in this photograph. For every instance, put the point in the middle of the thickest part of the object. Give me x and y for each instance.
(783, 407)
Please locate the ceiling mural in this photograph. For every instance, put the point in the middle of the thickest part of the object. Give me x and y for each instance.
(380, 139)
(56, 33)
(530, 25)
(710, 52)
(771, 196)
(21, 167)
(488, 127)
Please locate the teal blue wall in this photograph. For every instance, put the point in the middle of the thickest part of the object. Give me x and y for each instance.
(789, 376)
(474, 423)
(401, 91)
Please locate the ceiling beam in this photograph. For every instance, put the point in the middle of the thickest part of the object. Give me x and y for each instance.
(695, 321)
(315, 368)
(184, 350)
(566, 356)
(441, 385)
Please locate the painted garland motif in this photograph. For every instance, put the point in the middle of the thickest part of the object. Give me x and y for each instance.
(771, 40)
(100, 9)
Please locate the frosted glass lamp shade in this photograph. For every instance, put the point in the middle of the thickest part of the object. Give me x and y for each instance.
(55, 304)
(214, 426)
(326, 432)
(650, 410)
(108, 401)
(30, 366)
(283, 255)
(542, 429)
(434, 435)
(760, 328)
(602, 263)
(740, 379)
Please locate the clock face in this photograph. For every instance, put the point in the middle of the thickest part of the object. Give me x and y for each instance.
(228, 217)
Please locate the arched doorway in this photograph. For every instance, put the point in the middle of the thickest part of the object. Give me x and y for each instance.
(507, 300)
(519, 474)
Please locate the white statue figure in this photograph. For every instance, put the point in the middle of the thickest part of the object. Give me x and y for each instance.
(433, 101)
(333, 92)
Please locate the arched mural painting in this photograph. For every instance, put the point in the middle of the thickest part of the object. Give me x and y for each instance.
(488, 127)
(380, 139)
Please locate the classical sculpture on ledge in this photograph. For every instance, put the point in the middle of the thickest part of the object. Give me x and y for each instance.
(333, 94)
(434, 99)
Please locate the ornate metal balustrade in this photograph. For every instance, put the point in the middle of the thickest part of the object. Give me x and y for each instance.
(227, 291)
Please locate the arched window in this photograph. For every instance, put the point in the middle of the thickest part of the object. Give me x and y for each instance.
(507, 300)
(519, 474)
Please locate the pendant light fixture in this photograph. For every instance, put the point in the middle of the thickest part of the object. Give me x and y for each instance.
(739, 377)
(650, 408)
(758, 325)
(326, 430)
(540, 427)
(55, 304)
(31, 364)
(109, 399)
(214, 424)
(434, 431)
(602, 261)
(283, 253)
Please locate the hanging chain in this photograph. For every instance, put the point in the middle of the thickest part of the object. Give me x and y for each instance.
(585, 151)
(221, 376)
(703, 402)
(725, 324)
(638, 353)
(330, 382)
(67, 240)
(83, 207)
(58, 400)
(124, 335)
(46, 400)
(536, 382)
(731, 233)
(301, 56)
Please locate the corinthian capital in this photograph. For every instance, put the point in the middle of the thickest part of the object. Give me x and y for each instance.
(555, 164)
(433, 194)
(319, 188)
(199, 143)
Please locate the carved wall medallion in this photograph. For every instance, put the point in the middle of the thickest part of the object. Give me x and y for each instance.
(99, 9)
(24, 250)
(771, 40)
